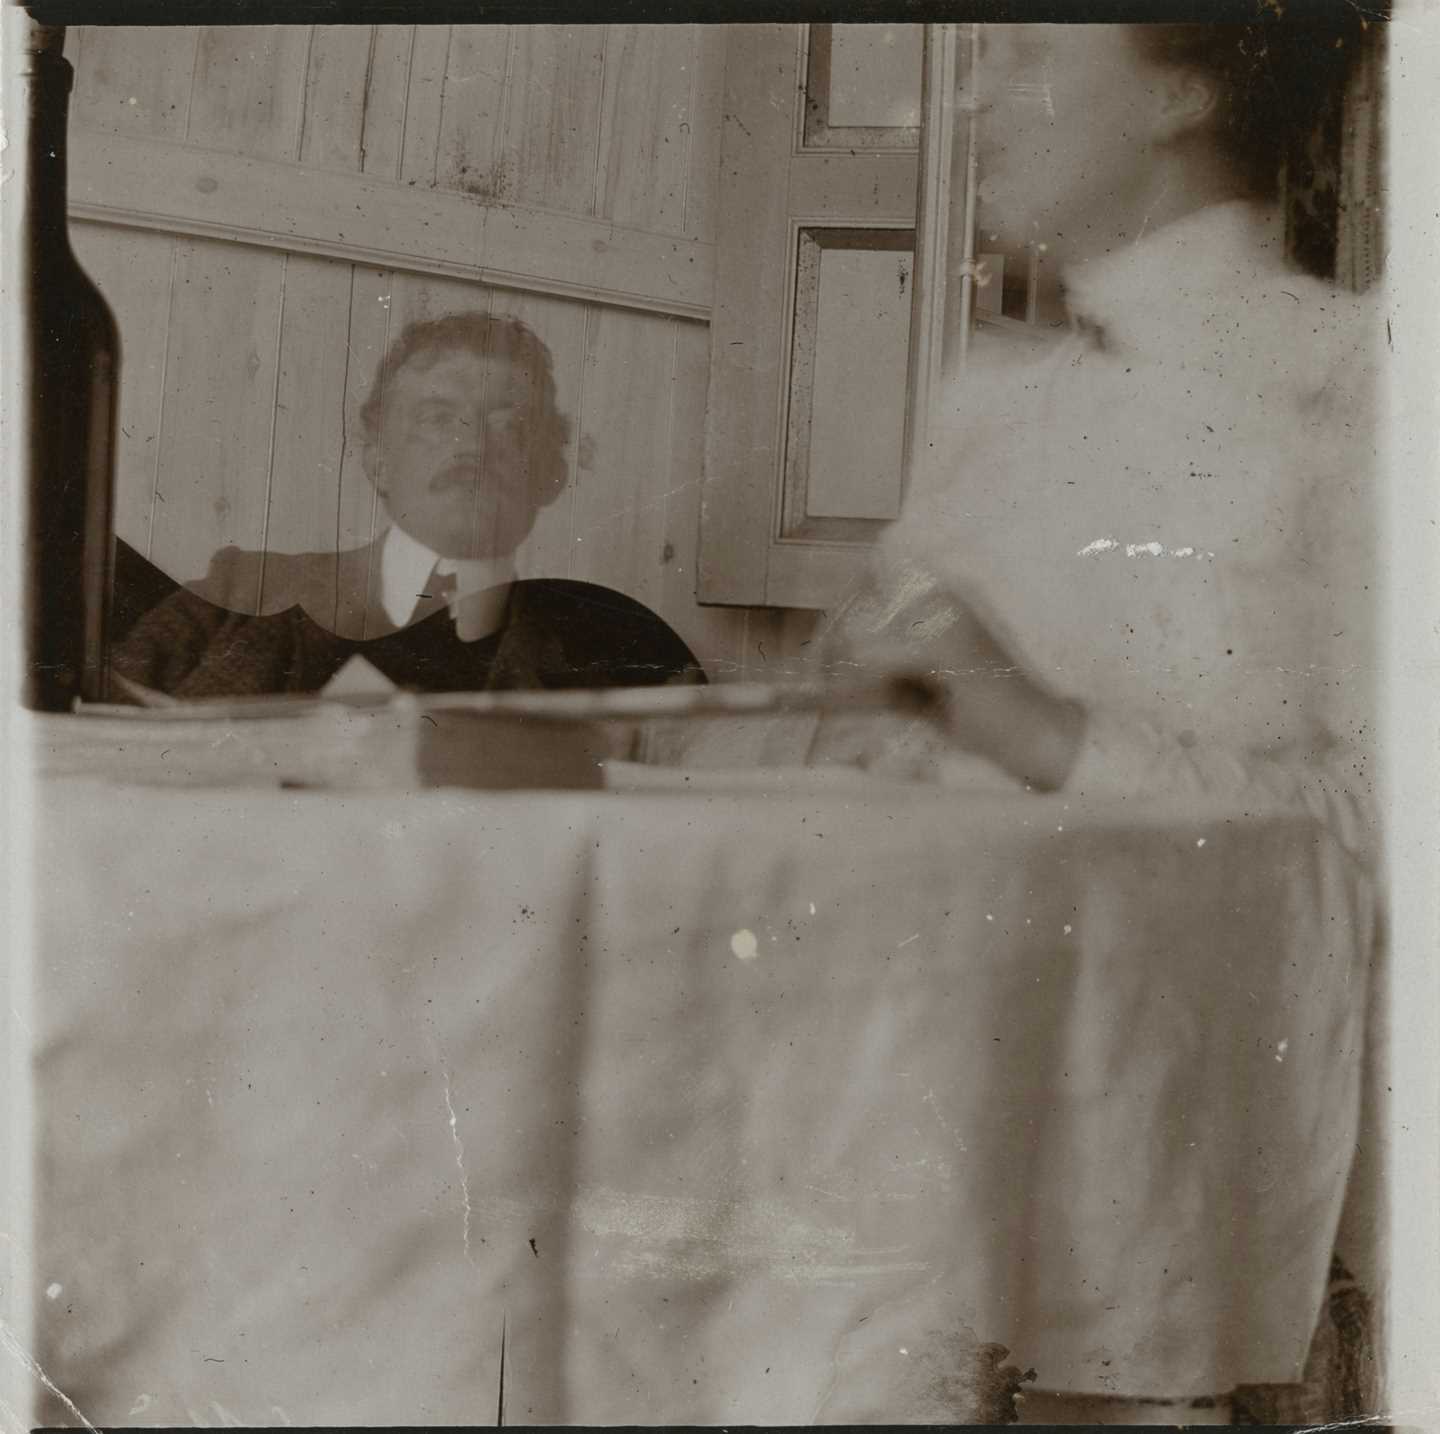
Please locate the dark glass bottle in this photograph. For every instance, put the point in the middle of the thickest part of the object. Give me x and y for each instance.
(71, 350)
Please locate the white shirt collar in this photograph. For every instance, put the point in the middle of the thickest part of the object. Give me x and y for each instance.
(406, 565)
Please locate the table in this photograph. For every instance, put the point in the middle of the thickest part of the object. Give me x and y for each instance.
(707, 1106)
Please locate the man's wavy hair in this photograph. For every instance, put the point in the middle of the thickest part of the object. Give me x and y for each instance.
(488, 335)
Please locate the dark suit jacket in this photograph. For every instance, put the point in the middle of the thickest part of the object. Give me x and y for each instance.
(321, 608)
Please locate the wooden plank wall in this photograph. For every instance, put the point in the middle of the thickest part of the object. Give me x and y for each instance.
(244, 367)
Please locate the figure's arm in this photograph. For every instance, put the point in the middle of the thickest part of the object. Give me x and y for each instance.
(950, 673)
(958, 678)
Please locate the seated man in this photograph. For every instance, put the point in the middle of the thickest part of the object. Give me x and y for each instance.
(465, 446)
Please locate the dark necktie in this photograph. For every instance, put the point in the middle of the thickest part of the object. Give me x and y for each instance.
(439, 589)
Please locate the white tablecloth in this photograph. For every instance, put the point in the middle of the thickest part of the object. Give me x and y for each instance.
(716, 1108)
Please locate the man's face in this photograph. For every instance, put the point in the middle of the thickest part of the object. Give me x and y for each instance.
(1067, 133)
(451, 458)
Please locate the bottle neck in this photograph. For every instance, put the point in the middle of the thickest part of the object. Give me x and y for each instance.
(48, 78)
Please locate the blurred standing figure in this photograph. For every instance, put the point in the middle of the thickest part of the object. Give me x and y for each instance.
(1141, 565)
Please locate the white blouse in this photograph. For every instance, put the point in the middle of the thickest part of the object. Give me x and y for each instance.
(1169, 515)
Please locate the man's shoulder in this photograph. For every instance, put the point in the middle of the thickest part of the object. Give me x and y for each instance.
(589, 605)
(581, 596)
(254, 580)
(232, 573)
(603, 630)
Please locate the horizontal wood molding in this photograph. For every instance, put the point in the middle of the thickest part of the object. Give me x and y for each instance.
(867, 188)
(145, 183)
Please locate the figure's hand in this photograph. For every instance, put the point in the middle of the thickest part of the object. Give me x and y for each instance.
(944, 663)
(893, 746)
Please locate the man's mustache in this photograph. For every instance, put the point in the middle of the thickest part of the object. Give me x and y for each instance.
(456, 475)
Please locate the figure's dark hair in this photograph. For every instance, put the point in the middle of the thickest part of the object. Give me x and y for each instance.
(1281, 106)
(1277, 80)
(493, 335)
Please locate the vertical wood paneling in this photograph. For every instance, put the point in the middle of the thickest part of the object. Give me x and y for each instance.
(472, 112)
(355, 97)
(249, 82)
(132, 269)
(335, 95)
(746, 358)
(219, 403)
(625, 426)
(644, 150)
(421, 129)
(357, 513)
(239, 413)
(779, 644)
(425, 296)
(561, 324)
(707, 110)
(713, 633)
(133, 80)
(383, 122)
(309, 406)
(552, 119)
